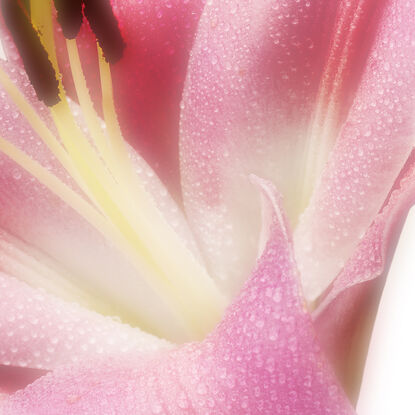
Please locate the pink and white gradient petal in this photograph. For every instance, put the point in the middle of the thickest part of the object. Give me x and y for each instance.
(387, 381)
(345, 316)
(269, 85)
(263, 357)
(370, 152)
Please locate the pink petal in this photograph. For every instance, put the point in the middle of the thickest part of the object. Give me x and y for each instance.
(149, 80)
(374, 250)
(369, 154)
(44, 226)
(250, 97)
(43, 332)
(13, 66)
(345, 317)
(391, 351)
(263, 358)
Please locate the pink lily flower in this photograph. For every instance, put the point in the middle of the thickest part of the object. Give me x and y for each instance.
(229, 296)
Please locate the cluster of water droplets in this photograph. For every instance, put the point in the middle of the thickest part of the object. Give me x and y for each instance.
(252, 83)
(370, 152)
(262, 357)
(40, 331)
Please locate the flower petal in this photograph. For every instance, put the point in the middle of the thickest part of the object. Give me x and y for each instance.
(149, 79)
(369, 154)
(375, 249)
(345, 316)
(390, 364)
(43, 332)
(257, 76)
(262, 358)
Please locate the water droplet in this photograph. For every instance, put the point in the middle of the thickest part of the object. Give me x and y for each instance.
(17, 175)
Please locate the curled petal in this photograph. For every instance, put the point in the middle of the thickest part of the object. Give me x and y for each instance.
(15, 378)
(392, 344)
(345, 316)
(371, 150)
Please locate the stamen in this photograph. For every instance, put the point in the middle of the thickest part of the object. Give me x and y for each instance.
(122, 162)
(87, 106)
(180, 266)
(61, 113)
(35, 58)
(37, 124)
(41, 15)
(84, 209)
(56, 186)
(69, 16)
(105, 26)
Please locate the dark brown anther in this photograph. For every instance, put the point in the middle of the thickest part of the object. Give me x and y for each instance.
(105, 26)
(69, 16)
(35, 58)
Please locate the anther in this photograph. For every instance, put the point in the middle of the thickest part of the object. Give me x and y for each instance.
(69, 16)
(105, 26)
(34, 56)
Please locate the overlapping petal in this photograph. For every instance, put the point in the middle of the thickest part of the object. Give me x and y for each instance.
(247, 109)
(370, 152)
(262, 357)
(270, 84)
(345, 317)
(252, 79)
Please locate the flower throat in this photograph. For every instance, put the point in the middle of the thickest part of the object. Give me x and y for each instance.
(112, 198)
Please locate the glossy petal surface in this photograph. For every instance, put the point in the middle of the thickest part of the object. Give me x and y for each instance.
(263, 358)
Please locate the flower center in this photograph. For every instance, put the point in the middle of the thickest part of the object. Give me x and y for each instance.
(116, 202)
